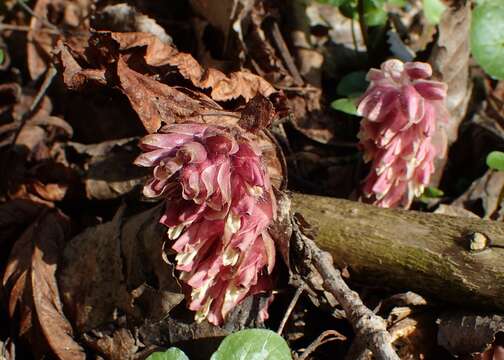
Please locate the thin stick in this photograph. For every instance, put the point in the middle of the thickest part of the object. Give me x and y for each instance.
(321, 340)
(284, 51)
(366, 324)
(49, 76)
(32, 13)
(24, 28)
(292, 304)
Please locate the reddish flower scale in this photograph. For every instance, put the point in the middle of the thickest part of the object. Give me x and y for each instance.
(401, 111)
(219, 204)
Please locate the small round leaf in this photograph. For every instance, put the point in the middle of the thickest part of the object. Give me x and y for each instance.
(352, 84)
(487, 37)
(253, 344)
(433, 10)
(495, 160)
(346, 105)
(172, 353)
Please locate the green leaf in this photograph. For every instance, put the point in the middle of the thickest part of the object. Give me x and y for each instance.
(433, 192)
(352, 84)
(346, 105)
(495, 160)
(253, 344)
(172, 353)
(349, 10)
(374, 14)
(336, 3)
(487, 37)
(433, 9)
(399, 3)
(430, 193)
(2, 56)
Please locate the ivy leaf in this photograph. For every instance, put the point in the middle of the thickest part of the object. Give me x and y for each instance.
(346, 105)
(352, 84)
(487, 37)
(433, 10)
(253, 344)
(495, 160)
(172, 353)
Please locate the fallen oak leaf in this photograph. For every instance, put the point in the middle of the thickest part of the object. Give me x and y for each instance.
(157, 103)
(224, 87)
(74, 76)
(30, 282)
(72, 16)
(56, 328)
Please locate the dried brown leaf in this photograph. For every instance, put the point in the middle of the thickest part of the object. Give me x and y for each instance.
(46, 298)
(30, 283)
(450, 64)
(157, 103)
(91, 280)
(49, 192)
(107, 167)
(485, 192)
(10, 94)
(464, 334)
(71, 15)
(74, 76)
(257, 114)
(119, 345)
(236, 84)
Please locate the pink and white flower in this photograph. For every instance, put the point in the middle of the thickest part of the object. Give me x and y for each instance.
(401, 110)
(219, 204)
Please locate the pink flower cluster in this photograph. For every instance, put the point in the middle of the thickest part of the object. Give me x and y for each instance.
(401, 109)
(219, 205)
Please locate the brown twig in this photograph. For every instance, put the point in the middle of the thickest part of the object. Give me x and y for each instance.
(24, 28)
(49, 76)
(367, 325)
(36, 16)
(292, 304)
(284, 52)
(325, 337)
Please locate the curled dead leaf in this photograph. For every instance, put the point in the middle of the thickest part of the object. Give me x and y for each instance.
(51, 17)
(30, 283)
(224, 87)
(465, 334)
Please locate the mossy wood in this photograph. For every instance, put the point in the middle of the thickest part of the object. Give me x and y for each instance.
(457, 259)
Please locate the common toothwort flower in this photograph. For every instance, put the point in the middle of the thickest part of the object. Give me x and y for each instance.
(219, 204)
(401, 110)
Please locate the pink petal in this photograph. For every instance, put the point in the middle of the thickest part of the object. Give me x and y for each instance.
(180, 212)
(393, 68)
(152, 158)
(432, 90)
(375, 75)
(163, 141)
(185, 129)
(376, 102)
(418, 70)
(412, 104)
(219, 144)
(192, 152)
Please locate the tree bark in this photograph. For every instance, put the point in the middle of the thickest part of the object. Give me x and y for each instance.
(456, 259)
